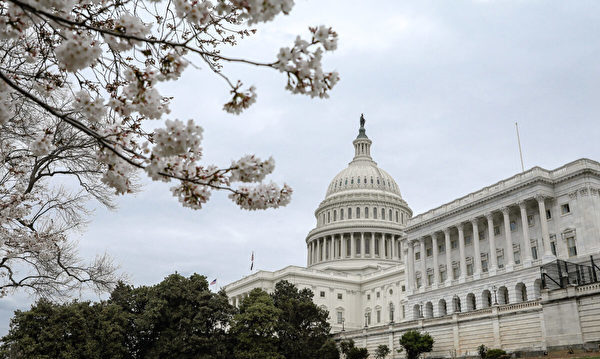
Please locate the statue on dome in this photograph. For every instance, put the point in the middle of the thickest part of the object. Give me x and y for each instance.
(362, 120)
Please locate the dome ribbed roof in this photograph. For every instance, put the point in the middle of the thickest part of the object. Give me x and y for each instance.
(362, 173)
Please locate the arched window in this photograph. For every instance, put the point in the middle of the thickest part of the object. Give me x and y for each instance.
(357, 212)
(428, 310)
(390, 215)
(349, 213)
(521, 292)
(366, 212)
(486, 299)
(371, 180)
(383, 213)
(341, 214)
(503, 295)
(352, 180)
(358, 180)
(375, 212)
(471, 303)
(442, 308)
(334, 215)
(346, 182)
(397, 217)
(328, 217)
(417, 311)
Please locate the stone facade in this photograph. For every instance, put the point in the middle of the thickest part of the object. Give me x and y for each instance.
(467, 272)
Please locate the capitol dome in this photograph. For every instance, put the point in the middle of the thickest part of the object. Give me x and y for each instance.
(361, 219)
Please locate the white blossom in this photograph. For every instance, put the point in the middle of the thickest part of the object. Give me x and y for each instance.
(92, 109)
(262, 196)
(191, 195)
(251, 169)
(6, 106)
(77, 52)
(177, 138)
(240, 101)
(262, 10)
(127, 25)
(42, 145)
(196, 12)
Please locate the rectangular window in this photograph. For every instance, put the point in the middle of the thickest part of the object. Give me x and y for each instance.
(548, 214)
(339, 296)
(572, 246)
(534, 251)
(496, 230)
(517, 255)
(513, 226)
(564, 209)
(375, 213)
(368, 318)
(441, 248)
(378, 316)
(455, 272)
(430, 279)
(553, 243)
(368, 297)
(470, 269)
(443, 276)
(468, 240)
(366, 212)
(340, 317)
(484, 265)
(429, 251)
(376, 246)
(357, 245)
(454, 244)
(322, 294)
(481, 235)
(367, 246)
(531, 220)
(417, 256)
(357, 212)
(403, 312)
(383, 213)
(378, 294)
(349, 213)
(404, 288)
(418, 282)
(341, 214)
(500, 259)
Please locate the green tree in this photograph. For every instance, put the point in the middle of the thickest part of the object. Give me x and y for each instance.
(72, 330)
(179, 317)
(382, 351)
(328, 350)
(350, 351)
(415, 343)
(254, 327)
(302, 327)
(495, 354)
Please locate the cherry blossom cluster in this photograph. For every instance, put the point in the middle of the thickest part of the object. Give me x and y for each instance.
(251, 169)
(42, 145)
(97, 65)
(77, 51)
(304, 65)
(91, 109)
(262, 196)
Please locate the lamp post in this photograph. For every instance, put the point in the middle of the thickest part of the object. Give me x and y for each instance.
(495, 297)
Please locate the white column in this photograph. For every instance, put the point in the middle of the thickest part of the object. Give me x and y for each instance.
(308, 253)
(476, 250)
(461, 252)
(493, 261)
(548, 256)
(448, 256)
(362, 244)
(526, 245)
(410, 262)
(343, 244)
(510, 263)
(393, 247)
(352, 246)
(423, 264)
(436, 267)
(372, 244)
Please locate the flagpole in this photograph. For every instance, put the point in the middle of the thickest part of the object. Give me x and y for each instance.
(520, 152)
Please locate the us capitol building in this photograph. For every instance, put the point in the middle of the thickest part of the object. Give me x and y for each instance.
(514, 265)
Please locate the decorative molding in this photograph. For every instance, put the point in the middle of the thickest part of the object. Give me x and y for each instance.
(583, 192)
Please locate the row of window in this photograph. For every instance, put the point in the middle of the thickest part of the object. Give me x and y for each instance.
(571, 247)
(333, 215)
(324, 252)
(345, 182)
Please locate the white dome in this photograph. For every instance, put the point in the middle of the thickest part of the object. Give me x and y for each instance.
(361, 175)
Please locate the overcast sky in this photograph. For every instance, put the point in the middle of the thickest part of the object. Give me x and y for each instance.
(441, 85)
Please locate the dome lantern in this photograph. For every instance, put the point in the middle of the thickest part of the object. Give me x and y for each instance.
(362, 143)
